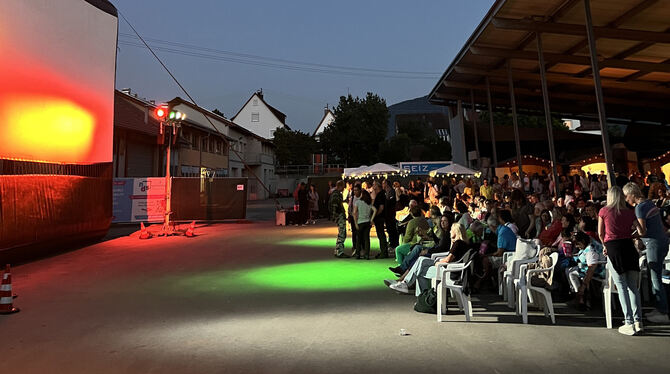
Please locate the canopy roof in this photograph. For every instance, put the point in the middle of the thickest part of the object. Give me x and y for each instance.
(454, 169)
(633, 45)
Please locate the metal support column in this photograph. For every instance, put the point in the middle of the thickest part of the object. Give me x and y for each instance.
(602, 116)
(547, 111)
(515, 120)
(493, 130)
(461, 123)
(474, 126)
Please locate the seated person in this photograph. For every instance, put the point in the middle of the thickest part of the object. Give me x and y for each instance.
(588, 265)
(424, 268)
(551, 228)
(506, 242)
(411, 237)
(443, 245)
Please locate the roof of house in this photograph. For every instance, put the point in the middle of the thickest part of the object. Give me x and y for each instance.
(276, 112)
(321, 123)
(229, 123)
(127, 115)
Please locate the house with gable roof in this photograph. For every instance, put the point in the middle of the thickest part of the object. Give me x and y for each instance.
(259, 117)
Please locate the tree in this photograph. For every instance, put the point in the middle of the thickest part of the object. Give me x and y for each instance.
(294, 147)
(360, 126)
(218, 112)
(395, 149)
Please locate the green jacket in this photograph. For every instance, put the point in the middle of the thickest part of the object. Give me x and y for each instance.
(335, 206)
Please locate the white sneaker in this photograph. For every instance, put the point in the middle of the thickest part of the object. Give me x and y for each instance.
(639, 328)
(657, 317)
(400, 287)
(627, 330)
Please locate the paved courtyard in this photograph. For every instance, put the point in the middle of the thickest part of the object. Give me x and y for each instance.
(256, 298)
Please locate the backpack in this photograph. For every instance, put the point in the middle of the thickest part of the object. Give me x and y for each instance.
(426, 302)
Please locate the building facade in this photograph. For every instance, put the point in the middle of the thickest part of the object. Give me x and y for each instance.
(259, 117)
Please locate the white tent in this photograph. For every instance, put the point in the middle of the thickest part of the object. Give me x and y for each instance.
(455, 169)
(381, 169)
(352, 172)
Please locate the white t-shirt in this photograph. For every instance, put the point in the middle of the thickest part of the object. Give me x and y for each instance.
(364, 211)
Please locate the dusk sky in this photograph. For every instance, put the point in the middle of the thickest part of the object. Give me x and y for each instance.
(223, 51)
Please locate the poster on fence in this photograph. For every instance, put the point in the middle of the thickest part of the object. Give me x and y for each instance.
(139, 199)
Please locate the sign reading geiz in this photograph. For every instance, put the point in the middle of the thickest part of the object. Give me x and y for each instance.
(422, 167)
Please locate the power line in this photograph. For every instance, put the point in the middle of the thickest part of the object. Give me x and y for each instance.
(239, 156)
(280, 60)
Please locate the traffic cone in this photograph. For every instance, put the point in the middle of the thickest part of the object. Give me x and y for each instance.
(6, 298)
(144, 234)
(190, 231)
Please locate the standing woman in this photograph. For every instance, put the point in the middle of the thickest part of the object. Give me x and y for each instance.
(313, 197)
(364, 213)
(615, 222)
(656, 244)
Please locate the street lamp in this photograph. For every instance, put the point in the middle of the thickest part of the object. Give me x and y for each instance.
(170, 123)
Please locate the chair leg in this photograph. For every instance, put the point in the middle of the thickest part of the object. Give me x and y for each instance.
(523, 300)
(608, 308)
(470, 305)
(550, 304)
(440, 301)
(466, 307)
(511, 298)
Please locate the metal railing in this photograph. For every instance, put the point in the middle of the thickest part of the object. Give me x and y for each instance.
(317, 169)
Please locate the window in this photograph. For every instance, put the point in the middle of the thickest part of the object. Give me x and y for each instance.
(255, 117)
(255, 102)
(203, 143)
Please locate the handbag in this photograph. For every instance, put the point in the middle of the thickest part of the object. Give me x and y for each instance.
(426, 302)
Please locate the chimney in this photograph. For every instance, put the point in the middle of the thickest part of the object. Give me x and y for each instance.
(126, 91)
(153, 102)
(260, 93)
(326, 110)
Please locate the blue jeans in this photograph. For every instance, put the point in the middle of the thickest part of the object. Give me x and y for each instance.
(409, 260)
(421, 272)
(656, 252)
(629, 293)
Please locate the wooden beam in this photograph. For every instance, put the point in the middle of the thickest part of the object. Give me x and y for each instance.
(567, 79)
(570, 59)
(580, 30)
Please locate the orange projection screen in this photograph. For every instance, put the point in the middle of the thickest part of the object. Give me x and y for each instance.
(57, 74)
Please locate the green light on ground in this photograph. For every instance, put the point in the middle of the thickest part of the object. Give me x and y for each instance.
(330, 275)
(325, 242)
(341, 274)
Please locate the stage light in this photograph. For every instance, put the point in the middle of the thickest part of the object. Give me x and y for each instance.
(161, 112)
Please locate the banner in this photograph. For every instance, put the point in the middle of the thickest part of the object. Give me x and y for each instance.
(422, 168)
(138, 199)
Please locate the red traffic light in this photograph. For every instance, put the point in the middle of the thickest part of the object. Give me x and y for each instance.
(161, 112)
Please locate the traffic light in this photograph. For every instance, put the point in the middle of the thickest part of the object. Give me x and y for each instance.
(176, 115)
(161, 111)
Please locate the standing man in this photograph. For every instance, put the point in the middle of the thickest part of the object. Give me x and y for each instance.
(380, 218)
(337, 214)
(353, 197)
(303, 204)
(389, 214)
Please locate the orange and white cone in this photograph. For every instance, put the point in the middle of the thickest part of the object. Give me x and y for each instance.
(6, 298)
(144, 234)
(190, 231)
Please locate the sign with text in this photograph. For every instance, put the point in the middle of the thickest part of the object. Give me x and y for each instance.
(138, 199)
(422, 167)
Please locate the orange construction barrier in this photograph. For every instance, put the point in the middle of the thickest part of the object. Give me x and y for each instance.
(6, 297)
(190, 231)
(144, 234)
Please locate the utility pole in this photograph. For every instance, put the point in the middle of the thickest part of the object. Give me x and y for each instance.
(169, 130)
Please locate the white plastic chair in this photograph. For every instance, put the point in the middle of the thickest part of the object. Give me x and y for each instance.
(512, 270)
(609, 288)
(446, 283)
(525, 288)
(501, 283)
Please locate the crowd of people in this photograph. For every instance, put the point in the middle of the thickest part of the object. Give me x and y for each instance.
(591, 226)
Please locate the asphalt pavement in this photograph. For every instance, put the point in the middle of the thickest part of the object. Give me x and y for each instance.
(251, 297)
